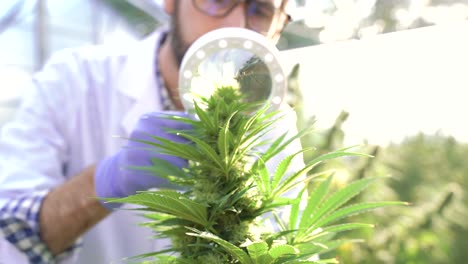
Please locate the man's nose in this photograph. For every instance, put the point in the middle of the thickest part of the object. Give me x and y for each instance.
(237, 17)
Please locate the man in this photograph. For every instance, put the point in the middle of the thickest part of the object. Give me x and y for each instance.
(59, 152)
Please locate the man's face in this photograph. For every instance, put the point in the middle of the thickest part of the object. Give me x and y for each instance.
(191, 19)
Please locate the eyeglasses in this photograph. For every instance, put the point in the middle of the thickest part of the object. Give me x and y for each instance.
(260, 15)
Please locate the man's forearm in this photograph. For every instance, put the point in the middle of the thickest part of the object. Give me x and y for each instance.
(69, 211)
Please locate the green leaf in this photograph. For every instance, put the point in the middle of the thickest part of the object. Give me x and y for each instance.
(262, 179)
(207, 151)
(281, 201)
(334, 229)
(290, 181)
(223, 142)
(274, 236)
(251, 129)
(278, 141)
(151, 254)
(165, 146)
(336, 154)
(247, 146)
(315, 199)
(327, 246)
(161, 168)
(235, 251)
(255, 118)
(320, 261)
(355, 209)
(227, 201)
(204, 118)
(182, 119)
(346, 227)
(257, 250)
(294, 211)
(278, 221)
(275, 149)
(334, 201)
(169, 202)
(278, 202)
(277, 251)
(168, 223)
(252, 136)
(282, 168)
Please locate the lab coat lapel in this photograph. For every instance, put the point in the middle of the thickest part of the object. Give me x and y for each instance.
(138, 82)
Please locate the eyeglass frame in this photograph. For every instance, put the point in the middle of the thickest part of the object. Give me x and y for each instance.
(278, 11)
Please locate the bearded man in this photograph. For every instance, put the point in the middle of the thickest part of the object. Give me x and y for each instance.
(58, 152)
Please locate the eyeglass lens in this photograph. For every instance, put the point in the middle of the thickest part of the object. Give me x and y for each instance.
(260, 14)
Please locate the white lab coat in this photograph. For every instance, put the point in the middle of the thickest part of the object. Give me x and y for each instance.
(66, 122)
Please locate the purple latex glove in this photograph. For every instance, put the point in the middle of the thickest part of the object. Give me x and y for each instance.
(113, 178)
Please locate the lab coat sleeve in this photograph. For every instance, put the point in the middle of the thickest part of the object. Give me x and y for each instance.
(33, 149)
(33, 156)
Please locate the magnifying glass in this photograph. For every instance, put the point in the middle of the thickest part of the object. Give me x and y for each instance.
(236, 57)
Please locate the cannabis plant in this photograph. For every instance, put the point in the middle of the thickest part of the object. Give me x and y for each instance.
(229, 208)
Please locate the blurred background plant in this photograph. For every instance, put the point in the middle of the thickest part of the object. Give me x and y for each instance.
(430, 172)
(427, 169)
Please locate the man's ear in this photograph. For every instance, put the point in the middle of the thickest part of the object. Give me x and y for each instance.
(169, 6)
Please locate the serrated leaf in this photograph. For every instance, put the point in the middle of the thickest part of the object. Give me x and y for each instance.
(333, 229)
(150, 254)
(223, 141)
(315, 199)
(276, 203)
(290, 185)
(207, 151)
(278, 221)
(346, 227)
(320, 261)
(276, 149)
(262, 179)
(342, 196)
(204, 117)
(276, 235)
(235, 251)
(277, 251)
(294, 211)
(257, 250)
(165, 146)
(277, 142)
(290, 181)
(282, 168)
(356, 209)
(334, 155)
(161, 168)
(169, 202)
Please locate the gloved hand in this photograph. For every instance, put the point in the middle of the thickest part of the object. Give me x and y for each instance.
(113, 178)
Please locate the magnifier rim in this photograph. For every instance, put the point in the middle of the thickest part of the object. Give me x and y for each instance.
(236, 38)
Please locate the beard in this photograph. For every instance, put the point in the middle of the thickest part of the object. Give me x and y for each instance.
(178, 46)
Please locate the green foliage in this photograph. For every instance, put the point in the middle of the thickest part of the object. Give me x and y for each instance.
(429, 171)
(426, 170)
(230, 195)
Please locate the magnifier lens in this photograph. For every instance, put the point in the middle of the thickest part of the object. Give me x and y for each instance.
(237, 68)
(233, 57)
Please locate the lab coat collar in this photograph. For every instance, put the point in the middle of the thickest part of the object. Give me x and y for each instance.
(138, 80)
